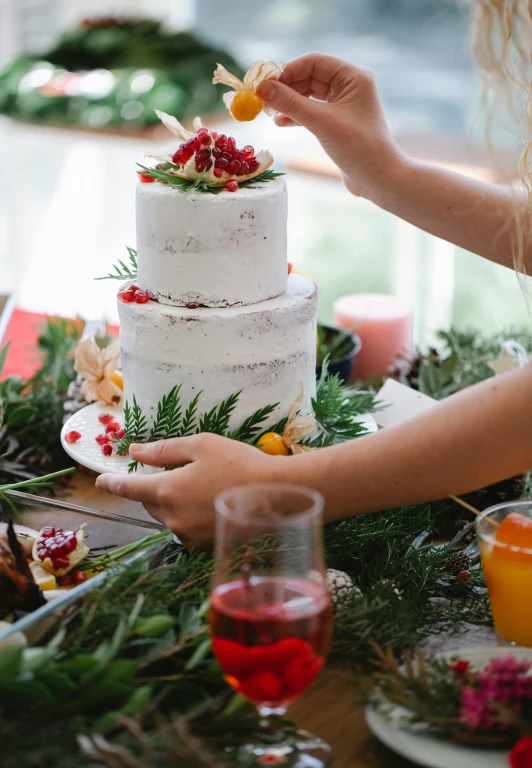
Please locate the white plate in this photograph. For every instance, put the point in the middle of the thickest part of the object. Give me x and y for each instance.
(426, 749)
(88, 453)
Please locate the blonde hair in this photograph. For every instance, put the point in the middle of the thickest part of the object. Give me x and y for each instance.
(502, 49)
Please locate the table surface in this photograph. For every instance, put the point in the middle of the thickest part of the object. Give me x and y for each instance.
(328, 709)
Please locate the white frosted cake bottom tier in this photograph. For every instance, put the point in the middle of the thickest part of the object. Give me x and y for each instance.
(267, 350)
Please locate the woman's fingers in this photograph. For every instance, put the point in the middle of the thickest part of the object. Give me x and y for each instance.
(165, 453)
(292, 104)
(136, 487)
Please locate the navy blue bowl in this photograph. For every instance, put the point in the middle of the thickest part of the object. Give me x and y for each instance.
(344, 365)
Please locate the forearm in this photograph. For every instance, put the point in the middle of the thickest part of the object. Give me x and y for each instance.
(472, 214)
(470, 440)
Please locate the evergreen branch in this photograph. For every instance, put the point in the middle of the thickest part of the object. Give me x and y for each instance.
(217, 419)
(173, 416)
(189, 419)
(135, 427)
(123, 271)
(168, 408)
(248, 430)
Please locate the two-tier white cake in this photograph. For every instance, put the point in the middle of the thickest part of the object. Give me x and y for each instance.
(223, 314)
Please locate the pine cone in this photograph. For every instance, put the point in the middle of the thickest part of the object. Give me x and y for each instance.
(457, 563)
(75, 398)
(340, 585)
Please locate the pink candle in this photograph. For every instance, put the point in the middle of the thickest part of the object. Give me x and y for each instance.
(384, 325)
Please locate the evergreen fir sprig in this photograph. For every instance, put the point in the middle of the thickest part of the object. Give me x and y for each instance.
(165, 174)
(217, 419)
(123, 271)
(249, 429)
(335, 408)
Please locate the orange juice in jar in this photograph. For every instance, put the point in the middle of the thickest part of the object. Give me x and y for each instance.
(505, 540)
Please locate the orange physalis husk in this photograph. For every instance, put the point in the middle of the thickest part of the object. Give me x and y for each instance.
(97, 366)
(298, 427)
(256, 75)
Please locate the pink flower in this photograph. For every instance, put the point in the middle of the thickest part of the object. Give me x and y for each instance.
(521, 754)
(503, 681)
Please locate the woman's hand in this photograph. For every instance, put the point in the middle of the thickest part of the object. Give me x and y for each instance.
(340, 104)
(183, 499)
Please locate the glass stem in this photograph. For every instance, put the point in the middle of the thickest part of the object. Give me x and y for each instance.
(270, 726)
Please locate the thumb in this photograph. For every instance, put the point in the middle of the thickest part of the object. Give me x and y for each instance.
(163, 453)
(292, 104)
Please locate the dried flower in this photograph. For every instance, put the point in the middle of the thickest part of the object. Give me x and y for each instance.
(298, 427)
(503, 682)
(521, 754)
(97, 366)
(243, 102)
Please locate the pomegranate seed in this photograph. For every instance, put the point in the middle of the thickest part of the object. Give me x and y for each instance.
(227, 156)
(216, 152)
(218, 173)
(203, 129)
(208, 165)
(234, 167)
(232, 185)
(214, 134)
(253, 165)
(200, 167)
(205, 139)
(61, 562)
(142, 297)
(464, 575)
(231, 142)
(289, 267)
(133, 288)
(78, 577)
(102, 439)
(221, 140)
(127, 296)
(179, 157)
(239, 155)
(66, 581)
(72, 543)
(221, 162)
(248, 151)
(72, 437)
(106, 418)
(146, 179)
(107, 449)
(121, 434)
(244, 168)
(48, 532)
(203, 154)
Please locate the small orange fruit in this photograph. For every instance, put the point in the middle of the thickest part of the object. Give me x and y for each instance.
(117, 378)
(245, 106)
(515, 530)
(273, 444)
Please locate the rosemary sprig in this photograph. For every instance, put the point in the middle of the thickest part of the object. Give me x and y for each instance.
(165, 174)
(123, 271)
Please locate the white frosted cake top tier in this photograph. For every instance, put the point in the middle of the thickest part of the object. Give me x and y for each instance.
(220, 250)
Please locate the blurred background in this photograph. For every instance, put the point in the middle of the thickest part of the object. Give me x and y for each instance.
(78, 85)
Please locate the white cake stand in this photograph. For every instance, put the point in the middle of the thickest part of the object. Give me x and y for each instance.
(88, 453)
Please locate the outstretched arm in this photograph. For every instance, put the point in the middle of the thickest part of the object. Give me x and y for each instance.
(470, 440)
(340, 104)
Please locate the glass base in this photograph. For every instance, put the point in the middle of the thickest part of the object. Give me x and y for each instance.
(300, 749)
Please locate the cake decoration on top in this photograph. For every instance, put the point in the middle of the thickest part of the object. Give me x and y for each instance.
(243, 102)
(206, 161)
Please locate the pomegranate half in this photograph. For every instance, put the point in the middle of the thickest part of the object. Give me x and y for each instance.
(58, 550)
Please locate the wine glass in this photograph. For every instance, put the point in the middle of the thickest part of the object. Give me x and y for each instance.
(270, 612)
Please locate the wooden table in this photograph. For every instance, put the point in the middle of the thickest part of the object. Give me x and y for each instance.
(328, 709)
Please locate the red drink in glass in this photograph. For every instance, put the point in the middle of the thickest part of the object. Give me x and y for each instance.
(270, 635)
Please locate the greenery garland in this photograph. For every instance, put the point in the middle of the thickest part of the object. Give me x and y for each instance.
(335, 407)
(135, 666)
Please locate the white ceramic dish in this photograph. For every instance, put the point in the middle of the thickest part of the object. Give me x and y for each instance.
(426, 749)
